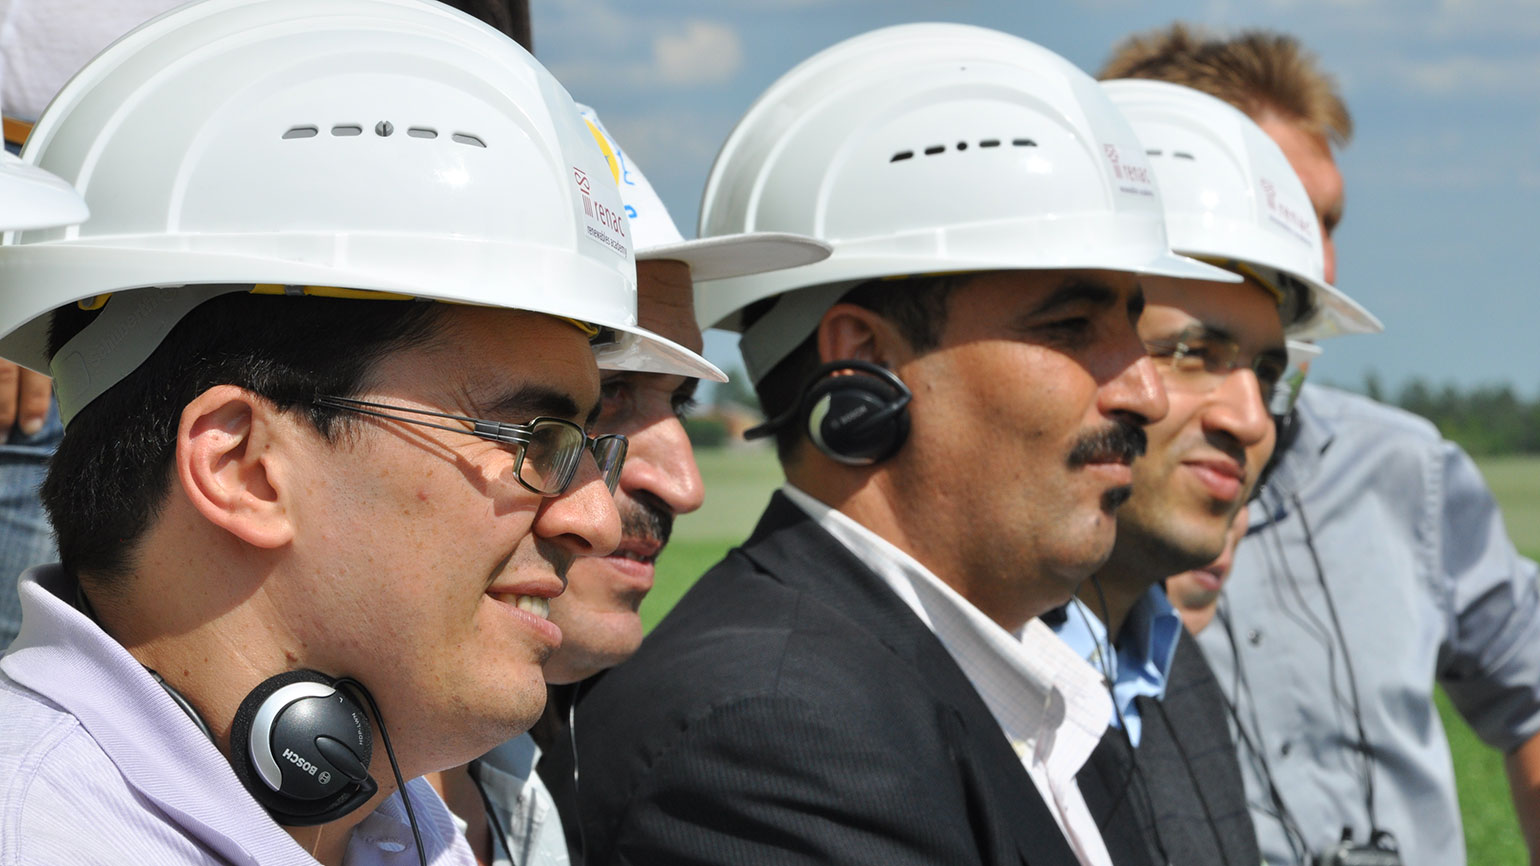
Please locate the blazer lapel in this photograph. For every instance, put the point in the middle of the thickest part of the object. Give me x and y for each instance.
(793, 548)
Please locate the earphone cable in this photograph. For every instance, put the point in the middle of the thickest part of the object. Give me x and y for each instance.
(486, 802)
(411, 817)
(1299, 846)
(1108, 674)
(1358, 716)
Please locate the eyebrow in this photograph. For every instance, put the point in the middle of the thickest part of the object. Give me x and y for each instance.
(531, 400)
(1078, 290)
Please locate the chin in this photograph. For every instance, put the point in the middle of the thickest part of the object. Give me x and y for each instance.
(579, 661)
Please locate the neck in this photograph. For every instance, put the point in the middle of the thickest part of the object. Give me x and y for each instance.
(923, 529)
(213, 646)
(1114, 600)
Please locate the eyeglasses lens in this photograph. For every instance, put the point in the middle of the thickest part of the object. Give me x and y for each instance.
(610, 453)
(551, 456)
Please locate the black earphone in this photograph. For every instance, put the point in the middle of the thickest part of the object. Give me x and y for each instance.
(856, 412)
(301, 745)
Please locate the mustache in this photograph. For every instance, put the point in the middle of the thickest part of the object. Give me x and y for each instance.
(644, 517)
(1119, 442)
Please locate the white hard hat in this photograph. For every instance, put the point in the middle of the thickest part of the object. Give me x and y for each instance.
(31, 198)
(391, 146)
(1231, 195)
(929, 148)
(657, 238)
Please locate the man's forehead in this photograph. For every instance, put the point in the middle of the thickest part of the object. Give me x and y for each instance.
(1248, 318)
(665, 301)
(1053, 287)
(515, 361)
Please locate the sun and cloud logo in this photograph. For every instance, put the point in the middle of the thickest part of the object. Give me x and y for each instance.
(605, 225)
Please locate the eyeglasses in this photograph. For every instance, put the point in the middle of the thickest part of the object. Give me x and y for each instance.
(546, 450)
(1200, 362)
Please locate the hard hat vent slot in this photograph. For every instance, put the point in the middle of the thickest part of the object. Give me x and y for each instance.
(935, 149)
(1181, 155)
(384, 129)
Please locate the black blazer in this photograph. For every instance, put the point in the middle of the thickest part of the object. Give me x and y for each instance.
(1186, 798)
(792, 709)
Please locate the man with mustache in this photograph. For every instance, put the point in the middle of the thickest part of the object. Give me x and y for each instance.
(1165, 779)
(1376, 565)
(513, 813)
(956, 395)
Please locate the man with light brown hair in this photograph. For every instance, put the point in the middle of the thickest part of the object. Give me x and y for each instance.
(1375, 565)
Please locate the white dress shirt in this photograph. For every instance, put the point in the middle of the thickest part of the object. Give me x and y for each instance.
(1049, 701)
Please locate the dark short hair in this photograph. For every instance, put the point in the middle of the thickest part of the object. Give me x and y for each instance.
(917, 307)
(109, 479)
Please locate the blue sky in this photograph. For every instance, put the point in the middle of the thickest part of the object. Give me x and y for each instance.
(1443, 175)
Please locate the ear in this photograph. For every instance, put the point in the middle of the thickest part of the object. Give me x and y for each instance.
(850, 332)
(227, 460)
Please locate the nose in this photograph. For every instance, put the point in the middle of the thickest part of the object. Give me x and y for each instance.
(1238, 409)
(661, 462)
(1136, 390)
(582, 521)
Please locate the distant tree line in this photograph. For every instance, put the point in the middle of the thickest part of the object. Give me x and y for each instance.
(1484, 420)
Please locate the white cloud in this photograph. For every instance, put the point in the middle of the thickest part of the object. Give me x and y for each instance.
(1471, 75)
(595, 45)
(704, 52)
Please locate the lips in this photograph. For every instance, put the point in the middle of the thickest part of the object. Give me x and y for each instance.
(530, 604)
(1221, 479)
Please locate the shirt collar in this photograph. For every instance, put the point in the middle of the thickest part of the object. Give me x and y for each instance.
(1047, 699)
(1140, 659)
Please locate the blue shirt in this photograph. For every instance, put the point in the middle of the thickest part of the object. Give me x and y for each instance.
(1427, 588)
(1140, 660)
(98, 765)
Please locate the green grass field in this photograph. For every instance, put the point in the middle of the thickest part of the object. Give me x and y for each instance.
(739, 482)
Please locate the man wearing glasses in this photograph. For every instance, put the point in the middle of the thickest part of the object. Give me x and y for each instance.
(1165, 780)
(327, 387)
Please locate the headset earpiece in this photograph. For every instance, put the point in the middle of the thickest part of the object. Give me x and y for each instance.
(301, 745)
(856, 412)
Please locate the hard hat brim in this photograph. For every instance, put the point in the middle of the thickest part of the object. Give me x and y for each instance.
(31, 198)
(718, 258)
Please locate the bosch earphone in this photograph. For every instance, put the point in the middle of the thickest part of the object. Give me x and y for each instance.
(856, 412)
(301, 745)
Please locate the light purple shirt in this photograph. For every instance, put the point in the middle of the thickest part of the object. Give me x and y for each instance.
(98, 765)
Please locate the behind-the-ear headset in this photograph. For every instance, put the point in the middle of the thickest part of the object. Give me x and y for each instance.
(301, 745)
(856, 412)
(1287, 427)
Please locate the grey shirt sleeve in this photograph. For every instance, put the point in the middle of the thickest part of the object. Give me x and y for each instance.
(1490, 665)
